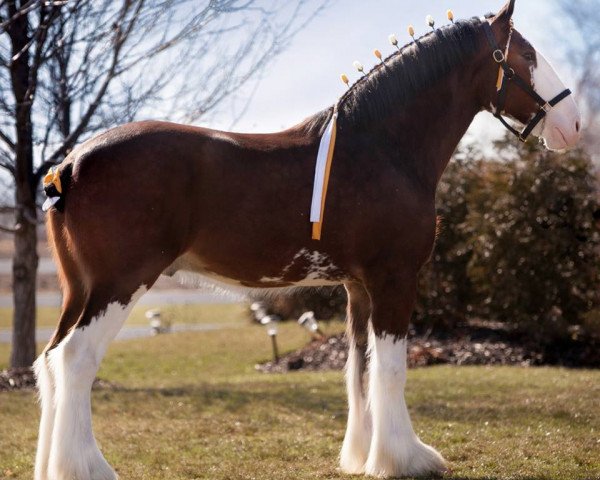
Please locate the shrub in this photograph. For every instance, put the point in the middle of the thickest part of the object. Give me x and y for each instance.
(535, 244)
(518, 242)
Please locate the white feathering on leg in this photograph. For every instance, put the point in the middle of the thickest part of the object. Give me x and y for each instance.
(45, 386)
(395, 448)
(358, 432)
(74, 453)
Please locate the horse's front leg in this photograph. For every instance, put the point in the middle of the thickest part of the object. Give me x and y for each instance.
(358, 432)
(395, 448)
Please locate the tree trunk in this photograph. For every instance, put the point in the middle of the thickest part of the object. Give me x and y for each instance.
(25, 260)
(25, 263)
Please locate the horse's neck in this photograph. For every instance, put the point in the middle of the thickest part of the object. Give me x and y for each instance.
(423, 135)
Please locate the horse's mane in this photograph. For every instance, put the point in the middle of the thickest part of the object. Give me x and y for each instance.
(412, 69)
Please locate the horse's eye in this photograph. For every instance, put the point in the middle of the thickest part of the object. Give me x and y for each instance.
(529, 56)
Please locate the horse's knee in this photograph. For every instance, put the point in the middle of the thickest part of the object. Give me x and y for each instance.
(393, 299)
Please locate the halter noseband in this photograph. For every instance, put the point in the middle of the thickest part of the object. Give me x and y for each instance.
(506, 72)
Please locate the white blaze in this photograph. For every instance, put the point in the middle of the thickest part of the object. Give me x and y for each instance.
(559, 129)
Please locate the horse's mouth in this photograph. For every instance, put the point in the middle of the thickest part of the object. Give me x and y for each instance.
(562, 135)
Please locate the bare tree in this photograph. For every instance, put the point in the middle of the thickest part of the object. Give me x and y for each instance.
(69, 68)
(581, 36)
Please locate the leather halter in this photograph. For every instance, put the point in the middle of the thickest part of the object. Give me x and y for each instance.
(507, 73)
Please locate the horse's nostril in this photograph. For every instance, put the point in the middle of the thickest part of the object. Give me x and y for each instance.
(577, 126)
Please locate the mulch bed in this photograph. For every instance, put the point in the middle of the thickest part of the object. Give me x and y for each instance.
(23, 379)
(483, 343)
(16, 379)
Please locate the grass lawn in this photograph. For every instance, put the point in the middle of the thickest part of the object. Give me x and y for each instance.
(193, 407)
(206, 313)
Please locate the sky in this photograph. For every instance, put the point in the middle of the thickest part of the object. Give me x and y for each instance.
(305, 78)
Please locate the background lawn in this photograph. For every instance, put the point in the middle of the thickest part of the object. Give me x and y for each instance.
(190, 406)
(205, 313)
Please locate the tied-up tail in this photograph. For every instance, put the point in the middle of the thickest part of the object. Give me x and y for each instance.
(56, 182)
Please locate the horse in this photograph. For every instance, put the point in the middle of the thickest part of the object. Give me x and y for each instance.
(151, 198)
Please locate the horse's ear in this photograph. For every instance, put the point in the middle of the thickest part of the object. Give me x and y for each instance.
(507, 11)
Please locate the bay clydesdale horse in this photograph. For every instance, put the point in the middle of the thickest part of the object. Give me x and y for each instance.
(152, 197)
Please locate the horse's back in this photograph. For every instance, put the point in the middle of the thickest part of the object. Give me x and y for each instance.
(130, 187)
(157, 189)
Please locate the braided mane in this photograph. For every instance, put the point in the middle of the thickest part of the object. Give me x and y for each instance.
(403, 75)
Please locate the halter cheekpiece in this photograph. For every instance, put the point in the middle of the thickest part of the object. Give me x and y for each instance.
(507, 73)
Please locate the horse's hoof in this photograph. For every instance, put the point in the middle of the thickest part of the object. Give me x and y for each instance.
(93, 468)
(416, 461)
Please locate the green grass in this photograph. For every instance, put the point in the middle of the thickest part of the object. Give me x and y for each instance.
(192, 406)
(206, 313)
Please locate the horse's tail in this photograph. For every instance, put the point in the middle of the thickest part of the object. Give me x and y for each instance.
(69, 271)
(56, 185)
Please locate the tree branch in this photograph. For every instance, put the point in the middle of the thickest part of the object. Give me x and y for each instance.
(9, 168)
(6, 162)
(6, 139)
(119, 41)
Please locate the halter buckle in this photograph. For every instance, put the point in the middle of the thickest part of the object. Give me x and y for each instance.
(547, 107)
(498, 56)
(522, 138)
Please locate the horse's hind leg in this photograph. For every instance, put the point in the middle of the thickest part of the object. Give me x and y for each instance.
(396, 450)
(75, 360)
(358, 432)
(72, 307)
(45, 385)
(45, 380)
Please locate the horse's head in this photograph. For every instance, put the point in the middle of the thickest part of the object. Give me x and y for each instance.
(526, 88)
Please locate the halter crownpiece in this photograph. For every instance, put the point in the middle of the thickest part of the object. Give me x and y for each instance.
(507, 74)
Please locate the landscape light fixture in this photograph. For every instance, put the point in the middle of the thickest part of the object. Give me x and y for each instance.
(308, 321)
(258, 310)
(157, 324)
(270, 321)
(155, 320)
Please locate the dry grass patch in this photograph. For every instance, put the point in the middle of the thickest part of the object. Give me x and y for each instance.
(191, 406)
